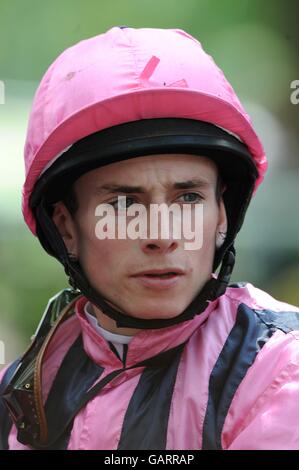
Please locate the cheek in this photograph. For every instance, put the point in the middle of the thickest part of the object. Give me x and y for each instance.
(202, 259)
(97, 251)
(101, 258)
(210, 221)
(89, 245)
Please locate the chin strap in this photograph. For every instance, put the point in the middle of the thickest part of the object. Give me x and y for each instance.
(213, 289)
(226, 270)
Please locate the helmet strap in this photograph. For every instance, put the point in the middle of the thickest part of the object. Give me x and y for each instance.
(214, 288)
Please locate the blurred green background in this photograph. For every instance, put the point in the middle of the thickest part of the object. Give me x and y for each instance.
(255, 42)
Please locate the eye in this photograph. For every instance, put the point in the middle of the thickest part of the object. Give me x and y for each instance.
(191, 198)
(122, 203)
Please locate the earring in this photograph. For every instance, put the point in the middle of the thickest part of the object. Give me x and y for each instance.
(73, 258)
(220, 239)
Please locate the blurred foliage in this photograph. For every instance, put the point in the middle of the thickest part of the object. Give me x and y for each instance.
(28, 278)
(285, 286)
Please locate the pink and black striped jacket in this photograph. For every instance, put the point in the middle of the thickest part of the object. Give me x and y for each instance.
(228, 379)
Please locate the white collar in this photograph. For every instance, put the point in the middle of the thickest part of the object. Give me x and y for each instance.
(112, 337)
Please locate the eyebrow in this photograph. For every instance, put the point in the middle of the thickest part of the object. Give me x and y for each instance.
(188, 184)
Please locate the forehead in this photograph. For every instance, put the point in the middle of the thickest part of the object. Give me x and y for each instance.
(165, 167)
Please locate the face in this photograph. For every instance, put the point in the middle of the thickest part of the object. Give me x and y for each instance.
(122, 269)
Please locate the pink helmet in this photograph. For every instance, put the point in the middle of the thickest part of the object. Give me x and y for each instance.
(126, 75)
(132, 92)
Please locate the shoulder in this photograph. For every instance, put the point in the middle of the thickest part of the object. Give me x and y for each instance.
(247, 297)
(265, 400)
(261, 318)
(249, 316)
(255, 298)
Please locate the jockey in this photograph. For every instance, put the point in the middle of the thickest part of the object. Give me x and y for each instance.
(151, 347)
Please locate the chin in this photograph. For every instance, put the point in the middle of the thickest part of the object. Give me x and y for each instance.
(157, 312)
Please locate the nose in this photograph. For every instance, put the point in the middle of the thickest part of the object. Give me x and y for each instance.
(160, 236)
(161, 246)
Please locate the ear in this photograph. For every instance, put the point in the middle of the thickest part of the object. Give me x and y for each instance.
(221, 229)
(66, 227)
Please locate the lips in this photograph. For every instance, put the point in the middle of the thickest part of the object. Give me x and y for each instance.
(161, 272)
(160, 279)
(162, 276)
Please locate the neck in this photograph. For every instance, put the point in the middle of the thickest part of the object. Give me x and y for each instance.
(109, 324)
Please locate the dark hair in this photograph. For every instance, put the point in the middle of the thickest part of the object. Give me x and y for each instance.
(70, 200)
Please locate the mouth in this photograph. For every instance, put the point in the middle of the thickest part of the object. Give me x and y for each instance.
(161, 272)
(163, 276)
(160, 278)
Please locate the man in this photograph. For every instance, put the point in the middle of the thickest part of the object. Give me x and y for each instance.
(151, 349)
